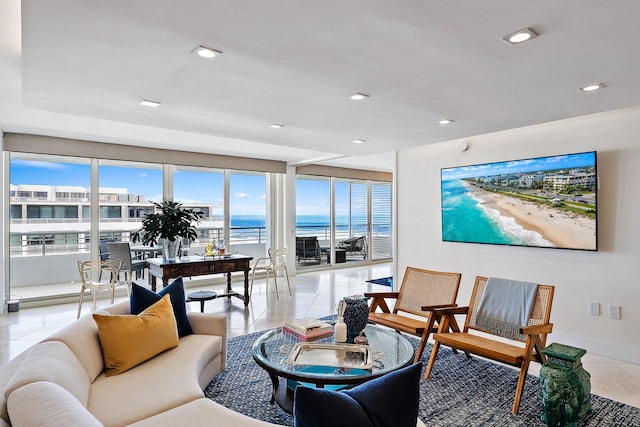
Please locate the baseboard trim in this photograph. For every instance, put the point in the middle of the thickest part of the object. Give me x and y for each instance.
(599, 348)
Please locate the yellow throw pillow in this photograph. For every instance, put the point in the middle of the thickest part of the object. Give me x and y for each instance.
(129, 340)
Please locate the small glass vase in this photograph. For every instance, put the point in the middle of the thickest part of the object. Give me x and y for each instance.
(170, 249)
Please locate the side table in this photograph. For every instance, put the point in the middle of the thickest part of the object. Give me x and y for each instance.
(341, 256)
(565, 386)
(202, 296)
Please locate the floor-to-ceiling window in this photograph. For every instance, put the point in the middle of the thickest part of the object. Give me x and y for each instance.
(64, 206)
(247, 211)
(66, 202)
(202, 189)
(50, 202)
(126, 190)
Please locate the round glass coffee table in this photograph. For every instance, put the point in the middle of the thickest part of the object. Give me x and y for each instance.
(271, 350)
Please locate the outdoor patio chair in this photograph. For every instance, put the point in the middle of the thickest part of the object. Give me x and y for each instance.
(277, 260)
(421, 292)
(130, 265)
(308, 248)
(357, 245)
(507, 348)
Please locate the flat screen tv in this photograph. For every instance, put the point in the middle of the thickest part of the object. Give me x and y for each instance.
(546, 202)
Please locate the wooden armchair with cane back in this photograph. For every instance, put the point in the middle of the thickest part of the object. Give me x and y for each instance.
(478, 337)
(421, 292)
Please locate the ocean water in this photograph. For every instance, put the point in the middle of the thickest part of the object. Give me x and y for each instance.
(313, 224)
(301, 220)
(467, 219)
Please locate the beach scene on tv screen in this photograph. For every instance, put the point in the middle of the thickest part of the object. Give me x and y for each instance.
(542, 202)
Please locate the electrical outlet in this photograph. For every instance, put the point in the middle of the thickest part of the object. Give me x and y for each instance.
(594, 308)
(614, 311)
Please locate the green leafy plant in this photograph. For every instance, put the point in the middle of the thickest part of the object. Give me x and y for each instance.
(171, 222)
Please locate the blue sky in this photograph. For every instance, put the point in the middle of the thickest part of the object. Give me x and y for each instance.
(190, 186)
(528, 165)
(313, 197)
(247, 191)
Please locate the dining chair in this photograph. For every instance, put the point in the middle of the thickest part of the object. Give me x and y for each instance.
(89, 270)
(122, 251)
(104, 252)
(277, 260)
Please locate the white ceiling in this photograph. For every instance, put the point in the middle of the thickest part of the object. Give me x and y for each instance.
(78, 68)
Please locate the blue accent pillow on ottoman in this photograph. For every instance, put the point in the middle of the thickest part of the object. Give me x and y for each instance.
(142, 298)
(388, 401)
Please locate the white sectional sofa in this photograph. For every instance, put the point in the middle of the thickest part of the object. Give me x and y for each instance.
(61, 381)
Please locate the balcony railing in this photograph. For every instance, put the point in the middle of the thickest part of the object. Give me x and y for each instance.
(51, 243)
(46, 244)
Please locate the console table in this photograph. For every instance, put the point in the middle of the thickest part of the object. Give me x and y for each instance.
(199, 266)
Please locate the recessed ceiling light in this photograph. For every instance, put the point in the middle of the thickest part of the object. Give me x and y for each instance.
(206, 53)
(276, 126)
(358, 141)
(147, 103)
(445, 121)
(591, 88)
(357, 96)
(520, 36)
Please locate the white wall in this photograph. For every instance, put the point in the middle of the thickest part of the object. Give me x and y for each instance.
(609, 276)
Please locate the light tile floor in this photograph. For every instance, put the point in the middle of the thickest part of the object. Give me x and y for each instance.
(313, 294)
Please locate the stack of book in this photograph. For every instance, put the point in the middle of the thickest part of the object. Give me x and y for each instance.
(308, 328)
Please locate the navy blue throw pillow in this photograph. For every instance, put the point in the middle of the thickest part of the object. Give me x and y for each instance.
(141, 298)
(388, 401)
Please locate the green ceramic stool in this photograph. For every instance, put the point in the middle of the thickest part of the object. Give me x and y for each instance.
(565, 387)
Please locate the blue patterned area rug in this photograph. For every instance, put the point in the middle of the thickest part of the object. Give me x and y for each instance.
(459, 392)
(386, 281)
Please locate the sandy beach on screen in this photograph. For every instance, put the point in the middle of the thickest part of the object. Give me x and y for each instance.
(561, 228)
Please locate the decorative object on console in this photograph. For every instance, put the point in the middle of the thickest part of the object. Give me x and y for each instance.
(210, 250)
(171, 224)
(356, 315)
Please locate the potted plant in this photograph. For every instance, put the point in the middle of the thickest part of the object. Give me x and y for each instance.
(171, 223)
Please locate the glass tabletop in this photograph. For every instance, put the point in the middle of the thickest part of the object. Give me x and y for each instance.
(390, 351)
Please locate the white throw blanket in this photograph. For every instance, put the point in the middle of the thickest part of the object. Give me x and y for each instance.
(506, 306)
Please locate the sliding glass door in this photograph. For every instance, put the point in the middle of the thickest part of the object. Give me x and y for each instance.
(313, 220)
(351, 216)
(381, 247)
